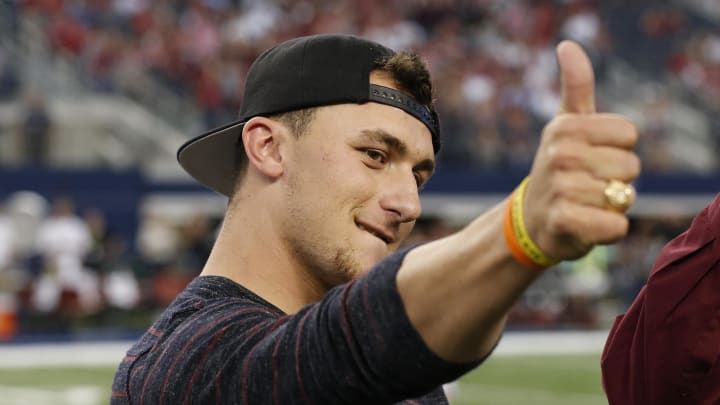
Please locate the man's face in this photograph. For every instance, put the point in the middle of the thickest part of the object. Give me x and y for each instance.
(352, 187)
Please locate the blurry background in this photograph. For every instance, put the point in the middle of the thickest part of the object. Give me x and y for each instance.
(100, 228)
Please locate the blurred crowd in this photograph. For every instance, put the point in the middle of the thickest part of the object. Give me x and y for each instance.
(669, 39)
(493, 61)
(61, 267)
(64, 270)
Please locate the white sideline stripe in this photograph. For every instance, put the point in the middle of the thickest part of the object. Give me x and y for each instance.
(540, 343)
(63, 355)
(504, 395)
(110, 353)
(76, 395)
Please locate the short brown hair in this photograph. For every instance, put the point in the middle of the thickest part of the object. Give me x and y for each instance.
(411, 76)
(297, 121)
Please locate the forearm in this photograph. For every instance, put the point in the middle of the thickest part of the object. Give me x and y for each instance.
(457, 291)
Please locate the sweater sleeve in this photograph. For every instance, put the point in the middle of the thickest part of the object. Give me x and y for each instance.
(664, 349)
(356, 346)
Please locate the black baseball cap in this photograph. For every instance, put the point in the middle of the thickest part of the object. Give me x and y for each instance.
(300, 73)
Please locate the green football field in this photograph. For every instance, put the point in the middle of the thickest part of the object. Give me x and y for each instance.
(537, 380)
(502, 380)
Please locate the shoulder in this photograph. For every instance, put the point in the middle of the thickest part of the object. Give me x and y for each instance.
(215, 301)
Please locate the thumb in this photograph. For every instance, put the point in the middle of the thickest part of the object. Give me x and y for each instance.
(576, 78)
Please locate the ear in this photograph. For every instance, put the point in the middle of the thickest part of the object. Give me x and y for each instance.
(262, 138)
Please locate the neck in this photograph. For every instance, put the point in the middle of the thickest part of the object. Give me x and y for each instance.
(249, 252)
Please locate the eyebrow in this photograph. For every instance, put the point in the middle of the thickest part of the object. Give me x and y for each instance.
(400, 147)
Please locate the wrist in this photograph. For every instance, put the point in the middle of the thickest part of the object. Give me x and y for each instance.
(521, 246)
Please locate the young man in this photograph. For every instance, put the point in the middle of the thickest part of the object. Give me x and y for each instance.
(665, 350)
(304, 299)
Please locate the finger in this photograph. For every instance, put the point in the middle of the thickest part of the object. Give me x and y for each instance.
(576, 78)
(612, 163)
(589, 226)
(602, 162)
(579, 187)
(596, 129)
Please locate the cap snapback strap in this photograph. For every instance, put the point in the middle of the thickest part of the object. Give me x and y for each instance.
(392, 97)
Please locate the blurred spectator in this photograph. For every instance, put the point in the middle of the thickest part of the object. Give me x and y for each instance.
(197, 240)
(12, 24)
(175, 264)
(661, 26)
(8, 279)
(68, 35)
(586, 282)
(96, 257)
(584, 25)
(544, 304)
(158, 242)
(7, 243)
(26, 210)
(253, 21)
(120, 287)
(199, 35)
(520, 134)
(392, 30)
(208, 95)
(36, 131)
(9, 79)
(8, 316)
(635, 256)
(101, 57)
(63, 241)
(43, 6)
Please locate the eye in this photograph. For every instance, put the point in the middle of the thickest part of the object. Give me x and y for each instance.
(418, 180)
(377, 156)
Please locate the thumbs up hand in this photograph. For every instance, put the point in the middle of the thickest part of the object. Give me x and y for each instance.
(566, 212)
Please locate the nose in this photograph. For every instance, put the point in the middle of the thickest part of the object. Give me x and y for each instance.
(402, 198)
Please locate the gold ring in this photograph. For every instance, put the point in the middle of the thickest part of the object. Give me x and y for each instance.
(619, 196)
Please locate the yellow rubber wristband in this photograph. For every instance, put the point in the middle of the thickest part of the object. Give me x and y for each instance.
(518, 224)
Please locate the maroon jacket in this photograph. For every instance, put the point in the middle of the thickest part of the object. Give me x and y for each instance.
(665, 350)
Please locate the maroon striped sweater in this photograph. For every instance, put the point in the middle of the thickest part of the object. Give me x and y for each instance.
(220, 343)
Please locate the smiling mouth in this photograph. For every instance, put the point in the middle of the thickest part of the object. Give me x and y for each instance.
(375, 234)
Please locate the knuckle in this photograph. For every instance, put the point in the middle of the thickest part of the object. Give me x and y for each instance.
(612, 228)
(560, 221)
(624, 225)
(628, 167)
(561, 188)
(564, 228)
(570, 124)
(561, 125)
(562, 120)
(626, 128)
(632, 133)
(635, 166)
(619, 227)
(551, 129)
(562, 155)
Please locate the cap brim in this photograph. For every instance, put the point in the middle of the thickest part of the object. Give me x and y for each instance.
(210, 157)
